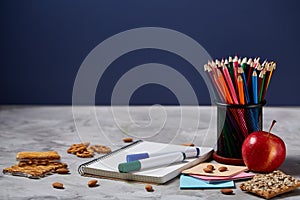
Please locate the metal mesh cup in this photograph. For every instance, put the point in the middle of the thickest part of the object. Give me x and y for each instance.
(235, 123)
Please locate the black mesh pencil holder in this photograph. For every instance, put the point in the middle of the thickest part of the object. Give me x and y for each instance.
(234, 123)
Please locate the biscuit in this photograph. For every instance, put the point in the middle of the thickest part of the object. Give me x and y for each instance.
(84, 154)
(270, 185)
(34, 171)
(31, 155)
(74, 148)
(90, 149)
(101, 148)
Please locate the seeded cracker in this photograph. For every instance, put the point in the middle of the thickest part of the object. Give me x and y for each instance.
(36, 164)
(270, 185)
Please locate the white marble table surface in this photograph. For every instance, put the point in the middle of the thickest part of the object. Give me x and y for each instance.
(43, 128)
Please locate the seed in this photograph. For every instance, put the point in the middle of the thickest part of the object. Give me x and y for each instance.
(92, 183)
(222, 169)
(227, 191)
(149, 188)
(208, 170)
(58, 185)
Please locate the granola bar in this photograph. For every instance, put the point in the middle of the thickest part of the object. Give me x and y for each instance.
(270, 185)
(28, 155)
(33, 170)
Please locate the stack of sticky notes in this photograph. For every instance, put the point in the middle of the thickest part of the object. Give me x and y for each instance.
(221, 176)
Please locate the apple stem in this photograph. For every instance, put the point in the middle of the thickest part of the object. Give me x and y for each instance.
(273, 123)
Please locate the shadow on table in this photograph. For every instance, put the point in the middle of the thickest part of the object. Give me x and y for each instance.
(289, 194)
(291, 165)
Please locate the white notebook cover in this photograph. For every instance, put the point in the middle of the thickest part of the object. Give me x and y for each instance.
(107, 165)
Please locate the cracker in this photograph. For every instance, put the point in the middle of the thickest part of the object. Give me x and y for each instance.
(84, 154)
(270, 185)
(101, 148)
(74, 148)
(34, 171)
(32, 155)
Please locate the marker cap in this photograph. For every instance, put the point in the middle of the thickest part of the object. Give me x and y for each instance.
(129, 166)
(138, 156)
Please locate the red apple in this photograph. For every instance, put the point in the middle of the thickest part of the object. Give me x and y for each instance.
(263, 151)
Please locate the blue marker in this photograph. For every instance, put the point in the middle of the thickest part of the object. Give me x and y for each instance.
(190, 152)
(157, 161)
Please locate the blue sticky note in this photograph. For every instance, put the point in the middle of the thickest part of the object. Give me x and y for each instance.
(188, 182)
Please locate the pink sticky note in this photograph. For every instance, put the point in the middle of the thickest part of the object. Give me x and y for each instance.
(242, 175)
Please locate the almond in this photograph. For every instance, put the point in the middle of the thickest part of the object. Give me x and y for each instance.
(227, 191)
(58, 185)
(62, 171)
(92, 183)
(208, 170)
(128, 139)
(222, 169)
(188, 144)
(149, 188)
(210, 167)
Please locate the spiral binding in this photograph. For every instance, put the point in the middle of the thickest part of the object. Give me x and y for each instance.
(80, 168)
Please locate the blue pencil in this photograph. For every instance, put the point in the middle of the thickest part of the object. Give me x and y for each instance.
(247, 97)
(254, 87)
(255, 96)
(254, 125)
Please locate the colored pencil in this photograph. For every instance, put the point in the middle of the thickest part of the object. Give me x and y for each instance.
(254, 87)
(241, 90)
(240, 82)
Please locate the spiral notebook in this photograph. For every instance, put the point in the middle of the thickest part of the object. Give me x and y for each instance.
(107, 166)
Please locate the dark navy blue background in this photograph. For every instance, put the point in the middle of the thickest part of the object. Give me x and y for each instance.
(42, 44)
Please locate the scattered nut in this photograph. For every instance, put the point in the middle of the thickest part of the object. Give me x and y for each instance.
(208, 170)
(188, 144)
(210, 167)
(149, 188)
(58, 185)
(227, 191)
(62, 171)
(127, 140)
(222, 169)
(92, 183)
